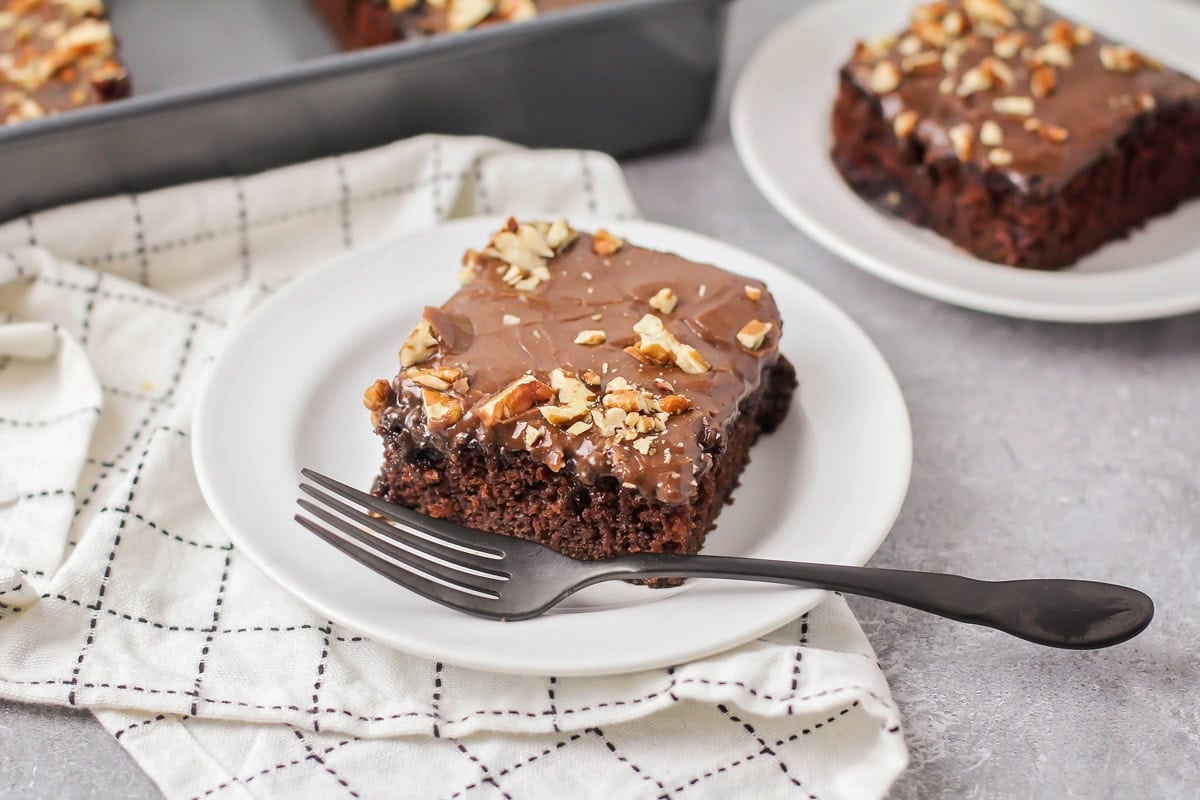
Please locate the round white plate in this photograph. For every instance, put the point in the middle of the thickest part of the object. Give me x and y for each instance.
(781, 127)
(288, 394)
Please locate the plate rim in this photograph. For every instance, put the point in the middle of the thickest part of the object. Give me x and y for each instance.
(1170, 303)
(804, 600)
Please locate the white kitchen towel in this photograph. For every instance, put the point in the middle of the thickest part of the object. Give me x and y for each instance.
(119, 592)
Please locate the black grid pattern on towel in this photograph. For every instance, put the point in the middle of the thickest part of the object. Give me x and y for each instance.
(208, 634)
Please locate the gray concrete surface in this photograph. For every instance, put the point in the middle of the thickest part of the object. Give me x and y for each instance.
(1040, 450)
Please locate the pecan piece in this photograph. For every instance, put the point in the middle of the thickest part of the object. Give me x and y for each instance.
(515, 399)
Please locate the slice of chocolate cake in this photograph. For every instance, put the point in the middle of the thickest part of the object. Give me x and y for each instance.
(55, 56)
(594, 396)
(366, 23)
(1018, 135)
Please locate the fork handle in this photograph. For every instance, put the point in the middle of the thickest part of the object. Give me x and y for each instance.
(1066, 613)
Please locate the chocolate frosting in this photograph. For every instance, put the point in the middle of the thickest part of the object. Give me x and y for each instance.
(496, 334)
(1095, 105)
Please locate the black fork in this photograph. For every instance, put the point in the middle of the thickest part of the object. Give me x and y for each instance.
(505, 578)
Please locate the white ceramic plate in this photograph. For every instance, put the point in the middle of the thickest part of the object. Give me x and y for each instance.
(781, 127)
(287, 394)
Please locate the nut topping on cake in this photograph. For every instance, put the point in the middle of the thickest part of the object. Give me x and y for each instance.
(562, 416)
(1053, 133)
(590, 337)
(1014, 106)
(753, 292)
(531, 435)
(420, 345)
(963, 138)
(571, 390)
(628, 400)
(675, 404)
(976, 79)
(925, 63)
(560, 234)
(378, 396)
(605, 244)
(1120, 58)
(1054, 54)
(1060, 32)
(910, 45)
(1000, 157)
(574, 399)
(885, 77)
(930, 32)
(658, 345)
(440, 379)
(753, 334)
(1007, 45)
(523, 249)
(462, 15)
(993, 12)
(990, 134)
(471, 261)
(515, 399)
(441, 409)
(579, 428)
(664, 300)
(1042, 81)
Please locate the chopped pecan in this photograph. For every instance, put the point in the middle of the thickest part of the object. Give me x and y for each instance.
(378, 396)
(441, 410)
(885, 78)
(591, 337)
(515, 399)
(1014, 106)
(658, 345)
(990, 134)
(674, 404)
(609, 421)
(571, 391)
(420, 345)
(1042, 80)
(753, 334)
(605, 244)
(664, 300)
(627, 400)
(564, 415)
(439, 379)
(962, 136)
(1000, 157)
(903, 126)
(579, 428)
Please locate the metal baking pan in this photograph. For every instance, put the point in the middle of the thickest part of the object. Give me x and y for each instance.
(230, 88)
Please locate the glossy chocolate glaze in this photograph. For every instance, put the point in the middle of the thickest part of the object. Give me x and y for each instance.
(1095, 105)
(587, 291)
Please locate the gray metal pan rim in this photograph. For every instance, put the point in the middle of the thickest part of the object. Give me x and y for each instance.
(337, 64)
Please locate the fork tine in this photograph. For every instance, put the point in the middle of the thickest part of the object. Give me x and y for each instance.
(411, 538)
(447, 533)
(413, 581)
(390, 552)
